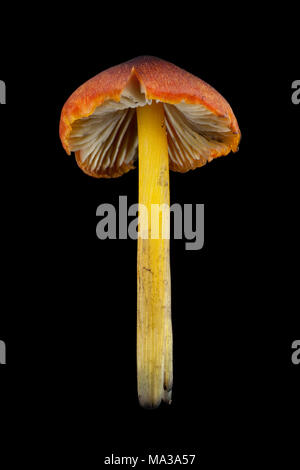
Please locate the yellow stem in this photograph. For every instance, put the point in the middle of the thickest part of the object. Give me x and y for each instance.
(154, 328)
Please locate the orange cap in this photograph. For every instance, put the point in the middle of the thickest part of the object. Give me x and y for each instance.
(98, 121)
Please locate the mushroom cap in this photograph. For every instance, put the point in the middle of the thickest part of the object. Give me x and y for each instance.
(98, 121)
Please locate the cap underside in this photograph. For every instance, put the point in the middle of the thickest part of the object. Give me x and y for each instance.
(106, 142)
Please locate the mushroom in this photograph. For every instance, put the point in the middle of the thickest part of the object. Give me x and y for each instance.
(171, 120)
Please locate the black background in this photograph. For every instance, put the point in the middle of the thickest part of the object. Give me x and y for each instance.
(69, 299)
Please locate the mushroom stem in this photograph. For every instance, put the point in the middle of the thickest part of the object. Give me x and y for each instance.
(154, 328)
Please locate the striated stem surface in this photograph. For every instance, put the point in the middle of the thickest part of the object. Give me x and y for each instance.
(154, 327)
